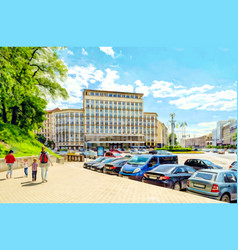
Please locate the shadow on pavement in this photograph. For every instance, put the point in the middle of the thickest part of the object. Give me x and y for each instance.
(19, 177)
(2, 179)
(28, 184)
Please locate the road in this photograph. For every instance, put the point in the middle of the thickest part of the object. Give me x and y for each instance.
(223, 160)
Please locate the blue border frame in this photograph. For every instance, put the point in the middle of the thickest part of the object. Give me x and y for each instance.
(119, 23)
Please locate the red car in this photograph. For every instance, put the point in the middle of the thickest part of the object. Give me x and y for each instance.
(113, 154)
(115, 151)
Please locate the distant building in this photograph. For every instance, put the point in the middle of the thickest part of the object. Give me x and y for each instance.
(199, 142)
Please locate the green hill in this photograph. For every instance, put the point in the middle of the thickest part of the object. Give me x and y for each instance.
(21, 142)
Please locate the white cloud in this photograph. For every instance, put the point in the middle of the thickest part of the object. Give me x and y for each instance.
(159, 101)
(142, 88)
(108, 50)
(218, 101)
(164, 89)
(70, 52)
(84, 52)
(108, 83)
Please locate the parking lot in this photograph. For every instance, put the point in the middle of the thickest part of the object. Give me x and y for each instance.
(71, 183)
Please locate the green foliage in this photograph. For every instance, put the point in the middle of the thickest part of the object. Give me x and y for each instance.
(234, 137)
(175, 139)
(28, 77)
(20, 141)
(175, 148)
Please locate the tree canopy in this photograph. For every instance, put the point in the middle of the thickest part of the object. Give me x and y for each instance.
(28, 77)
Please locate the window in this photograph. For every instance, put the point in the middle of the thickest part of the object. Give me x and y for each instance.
(92, 93)
(114, 95)
(127, 96)
(136, 96)
(110, 95)
(97, 94)
(119, 95)
(132, 96)
(105, 94)
(229, 178)
(168, 160)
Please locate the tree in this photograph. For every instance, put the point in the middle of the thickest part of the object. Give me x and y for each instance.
(234, 137)
(41, 138)
(28, 77)
(175, 139)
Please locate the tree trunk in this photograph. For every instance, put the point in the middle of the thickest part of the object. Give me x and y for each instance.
(14, 115)
(4, 114)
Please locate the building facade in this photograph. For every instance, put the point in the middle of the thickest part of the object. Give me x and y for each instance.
(108, 118)
(199, 142)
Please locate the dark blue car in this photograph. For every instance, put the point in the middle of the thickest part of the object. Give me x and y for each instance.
(139, 164)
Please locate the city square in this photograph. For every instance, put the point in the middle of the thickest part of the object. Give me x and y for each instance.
(71, 183)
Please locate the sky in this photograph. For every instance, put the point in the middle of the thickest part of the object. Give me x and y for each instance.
(198, 84)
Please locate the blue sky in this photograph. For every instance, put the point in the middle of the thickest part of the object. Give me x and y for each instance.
(198, 84)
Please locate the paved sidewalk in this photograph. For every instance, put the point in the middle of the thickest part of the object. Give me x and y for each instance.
(71, 183)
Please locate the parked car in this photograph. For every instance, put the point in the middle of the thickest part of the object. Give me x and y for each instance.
(231, 151)
(198, 164)
(112, 154)
(139, 164)
(90, 163)
(115, 166)
(160, 152)
(221, 151)
(169, 175)
(233, 166)
(214, 183)
(207, 150)
(215, 150)
(100, 165)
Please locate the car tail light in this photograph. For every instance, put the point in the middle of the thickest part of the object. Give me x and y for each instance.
(187, 183)
(113, 167)
(146, 176)
(230, 166)
(164, 178)
(215, 188)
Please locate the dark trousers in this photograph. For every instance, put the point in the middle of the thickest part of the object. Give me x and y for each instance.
(34, 175)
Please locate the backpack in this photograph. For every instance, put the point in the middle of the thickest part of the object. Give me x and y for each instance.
(43, 157)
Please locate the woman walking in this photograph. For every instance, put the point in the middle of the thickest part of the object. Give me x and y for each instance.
(10, 159)
(45, 161)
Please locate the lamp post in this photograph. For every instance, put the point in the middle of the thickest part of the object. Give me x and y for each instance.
(172, 115)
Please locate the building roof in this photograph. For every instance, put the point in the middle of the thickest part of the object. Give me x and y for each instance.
(62, 110)
(52, 110)
(107, 91)
(150, 113)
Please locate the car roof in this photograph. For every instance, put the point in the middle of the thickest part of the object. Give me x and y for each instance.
(150, 155)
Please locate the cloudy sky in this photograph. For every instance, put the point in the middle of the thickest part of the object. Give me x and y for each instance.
(199, 85)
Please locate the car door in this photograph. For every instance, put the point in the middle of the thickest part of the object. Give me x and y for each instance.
(231, 184)
(181, 174)
(153, 162)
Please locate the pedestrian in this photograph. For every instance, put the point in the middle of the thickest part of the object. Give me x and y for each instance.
(25, 164)
(10, 159)
(34, 169)
(45, 161)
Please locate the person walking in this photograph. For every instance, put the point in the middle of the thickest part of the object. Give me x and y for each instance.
(34, 169)
(45, 161)
(25, 163)
(10, 159)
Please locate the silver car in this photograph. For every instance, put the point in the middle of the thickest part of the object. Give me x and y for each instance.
(218, 184)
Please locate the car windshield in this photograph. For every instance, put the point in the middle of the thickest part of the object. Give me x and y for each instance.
(138, 160)
(164, 168)
(205, 176)
(107, 160)
(99, 159)
(208, 162)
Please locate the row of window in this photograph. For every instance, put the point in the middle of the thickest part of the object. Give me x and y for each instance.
(61, 115)
(114, 95)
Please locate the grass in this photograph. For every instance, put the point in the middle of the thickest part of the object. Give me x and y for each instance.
(22, 143)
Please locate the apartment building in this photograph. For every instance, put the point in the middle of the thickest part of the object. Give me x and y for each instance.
(109, 118)
(199, 142)
(48, 125)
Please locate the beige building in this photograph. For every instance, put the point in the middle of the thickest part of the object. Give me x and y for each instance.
(48, 125)
(199, 142)
(108, 118)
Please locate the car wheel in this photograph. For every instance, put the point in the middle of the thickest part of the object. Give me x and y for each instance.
(177, 186)
(225, 198)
